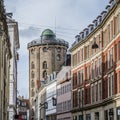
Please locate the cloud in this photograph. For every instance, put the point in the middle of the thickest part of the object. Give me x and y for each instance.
(29, 32)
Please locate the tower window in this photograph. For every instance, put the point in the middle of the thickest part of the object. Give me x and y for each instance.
(32, 83)
(32, 65)
(32, 74)
(44, 49)
(32, 51)
(58, 49)
(58, 57)
(44, 65)
(32, 92)
(44, 74)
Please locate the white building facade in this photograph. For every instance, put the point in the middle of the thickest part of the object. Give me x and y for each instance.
(14, 40)
(51, 97)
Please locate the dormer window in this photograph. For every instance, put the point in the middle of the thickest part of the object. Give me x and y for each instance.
(87, 32)
(77, 38)
(95, 23)
(90, 27)
(83, 35)
(112, 2)
(108, 7)
(103, 14)
(99, 18)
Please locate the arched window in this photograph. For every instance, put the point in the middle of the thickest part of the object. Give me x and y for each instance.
(44, 65)
(58, 57)
(32, 74)
(32, 101)
(32, 83)
(32, 65)
(44, 74)
(32, 51)
(44, 49)
(58, 49)
(32, 93)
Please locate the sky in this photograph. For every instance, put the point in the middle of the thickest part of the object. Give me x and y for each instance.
(66, 18)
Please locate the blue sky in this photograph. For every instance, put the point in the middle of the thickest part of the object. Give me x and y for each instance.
(65, 17)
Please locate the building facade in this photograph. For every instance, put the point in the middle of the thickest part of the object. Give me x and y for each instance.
(22, 108)
(46, 55)
(14, 40)
(96, 68)
(5, 56)
(51, 96)
(42, 105)
(64, 94)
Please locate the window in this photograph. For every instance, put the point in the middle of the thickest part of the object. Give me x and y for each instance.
(112, 80)
(87, 51)
(99, 66)
(96, 87)
(93, 94)
(79, 82)
(118, 50)
(88, 117)
(109, 36)
(82, 54)
(32, 93)
(109, 85)
(100, 91)
(82, 76)
(58, 49)
(78, 56)
(32, 83)
(74, 59)
(32, 74)
(23, 103)
(44, 65)
(32, 51)
(74, 80)
(58, 57)
(32, 65)
(111, 29)
(44, 74)
(44, 49)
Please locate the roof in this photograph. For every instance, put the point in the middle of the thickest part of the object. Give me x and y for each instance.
(47, 32)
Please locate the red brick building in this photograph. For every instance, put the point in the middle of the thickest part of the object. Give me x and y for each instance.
(96, 72)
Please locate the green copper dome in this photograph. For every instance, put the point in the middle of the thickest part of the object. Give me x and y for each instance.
(47, 32)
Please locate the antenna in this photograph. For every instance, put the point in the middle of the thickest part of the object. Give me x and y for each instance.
(55, 25)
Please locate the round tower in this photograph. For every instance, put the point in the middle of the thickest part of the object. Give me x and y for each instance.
(46, 54)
